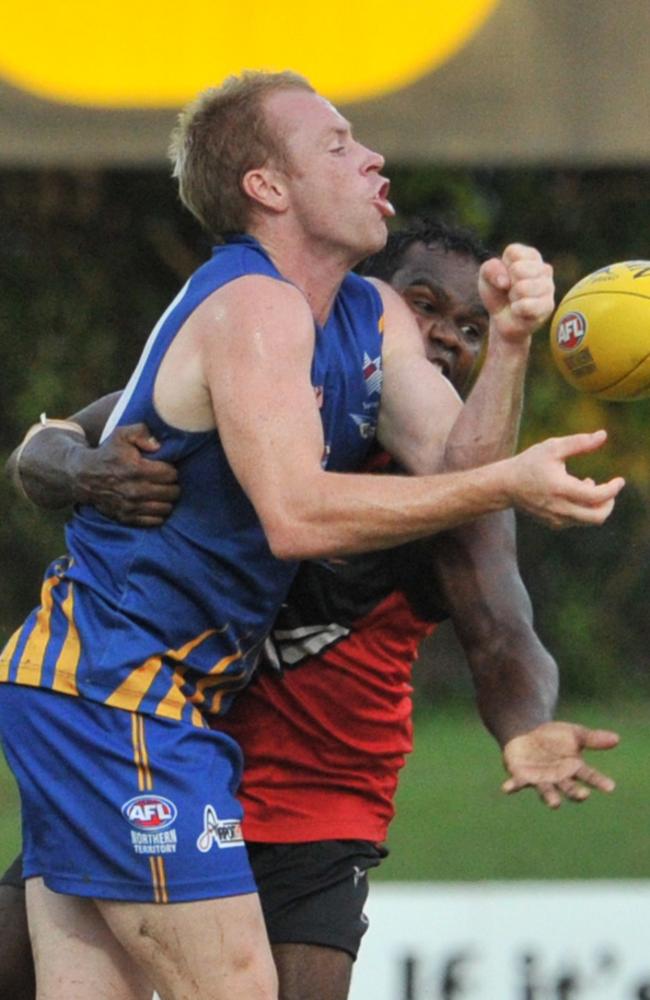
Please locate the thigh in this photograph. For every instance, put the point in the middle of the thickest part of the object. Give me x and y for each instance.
(204, 950)
(75, 953)
(309, 972)
(16, 966)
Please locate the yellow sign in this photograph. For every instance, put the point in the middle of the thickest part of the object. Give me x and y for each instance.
(110, 53)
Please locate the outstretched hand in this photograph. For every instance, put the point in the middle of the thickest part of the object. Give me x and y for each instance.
(545, 489)
(121, 483)
(549, 759)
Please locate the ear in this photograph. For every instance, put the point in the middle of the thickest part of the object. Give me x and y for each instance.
(266, 186)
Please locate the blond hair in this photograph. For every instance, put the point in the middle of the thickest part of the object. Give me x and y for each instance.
(219, 137)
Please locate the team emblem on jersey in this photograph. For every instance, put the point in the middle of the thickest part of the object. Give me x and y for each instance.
(366, 427)
(372, 373)
(149, 812)
(222, 832)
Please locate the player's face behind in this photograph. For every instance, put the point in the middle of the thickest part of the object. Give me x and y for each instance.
(441, 289)
(334, 186)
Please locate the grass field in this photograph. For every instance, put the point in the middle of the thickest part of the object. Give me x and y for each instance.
(454, 824)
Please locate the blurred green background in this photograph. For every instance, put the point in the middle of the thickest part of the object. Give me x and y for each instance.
(89, 260)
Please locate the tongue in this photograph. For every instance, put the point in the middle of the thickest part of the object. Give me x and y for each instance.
(385, 207)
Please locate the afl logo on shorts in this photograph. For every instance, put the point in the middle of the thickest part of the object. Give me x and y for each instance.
(571, 331)
(149, 812)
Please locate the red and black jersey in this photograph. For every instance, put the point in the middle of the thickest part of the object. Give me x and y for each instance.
(325, 734)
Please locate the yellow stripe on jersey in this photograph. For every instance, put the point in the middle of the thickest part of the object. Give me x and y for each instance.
(132, 690)
(159, 879)
(30, 669)
(211, 680)
(7, 654)
(172, 703)
(381, 323)
(65, 670)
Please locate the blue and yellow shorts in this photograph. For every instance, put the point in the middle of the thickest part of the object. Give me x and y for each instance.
(118, 805)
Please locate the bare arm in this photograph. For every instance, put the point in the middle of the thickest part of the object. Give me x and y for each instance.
(515, 677)
(252, 348)
(59, 467)
(518, 293)
(257, 372)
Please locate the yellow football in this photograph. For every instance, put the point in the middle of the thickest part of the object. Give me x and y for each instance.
(600, 333)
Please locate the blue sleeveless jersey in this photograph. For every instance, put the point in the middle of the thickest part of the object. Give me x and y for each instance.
(169, 621)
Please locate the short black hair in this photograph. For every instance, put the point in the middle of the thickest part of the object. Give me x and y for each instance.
(430, 232)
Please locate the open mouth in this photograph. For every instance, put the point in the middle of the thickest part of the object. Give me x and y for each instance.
(382, 202)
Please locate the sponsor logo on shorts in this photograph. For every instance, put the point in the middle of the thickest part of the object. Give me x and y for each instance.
(149, 812)
(358, 874)
(222, 832)
(151, 816)
(571, 331)
(163, 842)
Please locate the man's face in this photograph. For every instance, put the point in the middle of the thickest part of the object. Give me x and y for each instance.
(441, 289)
(335, 188)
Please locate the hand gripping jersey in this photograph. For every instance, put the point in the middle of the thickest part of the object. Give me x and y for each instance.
(325, 735)
(169, 621)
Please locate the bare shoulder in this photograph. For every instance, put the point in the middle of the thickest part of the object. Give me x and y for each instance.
(244, 333)
(391, 299)
(401, 334)
(251, 300)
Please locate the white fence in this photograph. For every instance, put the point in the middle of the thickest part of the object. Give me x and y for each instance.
(506, 941)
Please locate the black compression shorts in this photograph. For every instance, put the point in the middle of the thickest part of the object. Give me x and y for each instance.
(14, 874)
(315, 893)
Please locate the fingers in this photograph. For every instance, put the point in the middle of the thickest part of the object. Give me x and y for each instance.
(598, 739)
(549, 795)
(518, 293)
(512, 785)
(516, 252)
(567, 513)
(590, 776)
(585, 503)
(548, 792)
(139, 435)
(579, 444)
(158, 473)
(574, 789)
(137, 485)
(532, 293)
(582, 491)
(571, 500)
(124, 447)
(140, 513)
(495, 272)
